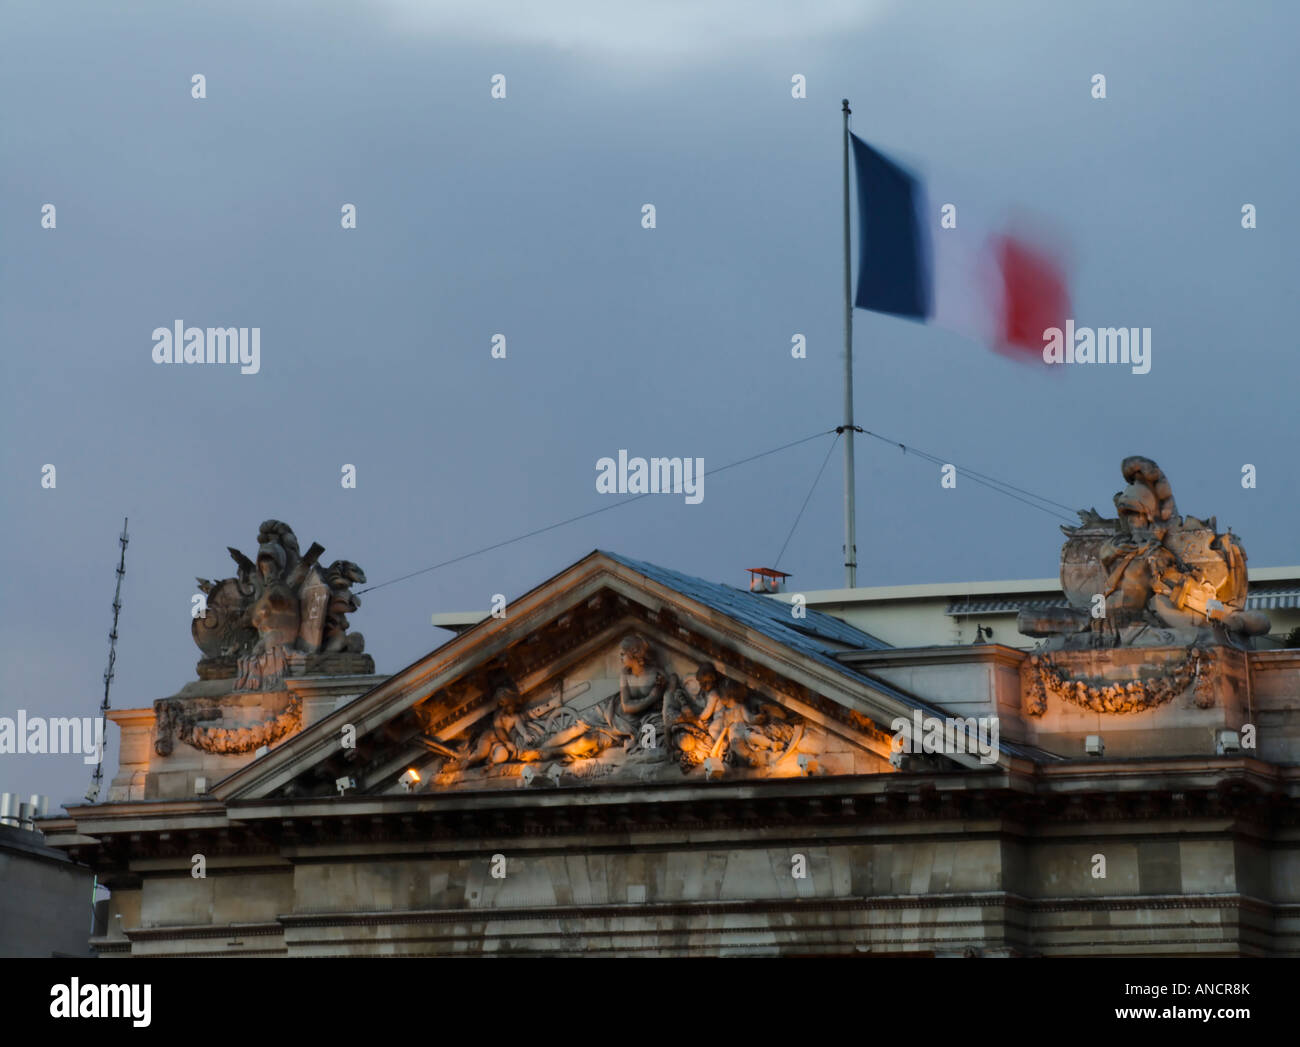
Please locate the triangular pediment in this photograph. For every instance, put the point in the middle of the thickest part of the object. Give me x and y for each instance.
(605, 673)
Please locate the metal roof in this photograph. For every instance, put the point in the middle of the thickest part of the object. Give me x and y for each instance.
(770, 617)
(1263, 596)
(1003, 604)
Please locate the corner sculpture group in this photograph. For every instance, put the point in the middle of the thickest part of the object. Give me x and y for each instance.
(1146, 578)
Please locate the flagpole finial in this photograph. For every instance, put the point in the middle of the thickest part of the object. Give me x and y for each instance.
(844, 105)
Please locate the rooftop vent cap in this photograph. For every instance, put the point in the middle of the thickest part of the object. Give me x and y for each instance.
(766, 579)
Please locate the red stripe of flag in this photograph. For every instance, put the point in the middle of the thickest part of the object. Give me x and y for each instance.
(1034, 294)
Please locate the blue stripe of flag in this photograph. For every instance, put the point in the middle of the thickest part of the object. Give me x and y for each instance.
(894, 270)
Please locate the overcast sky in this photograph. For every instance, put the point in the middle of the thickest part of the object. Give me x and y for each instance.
(522, 216)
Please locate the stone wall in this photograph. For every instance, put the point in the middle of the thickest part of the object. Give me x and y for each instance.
(944, 887)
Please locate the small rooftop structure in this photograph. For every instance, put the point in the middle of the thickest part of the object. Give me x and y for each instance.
(957, 613)
(766, 579)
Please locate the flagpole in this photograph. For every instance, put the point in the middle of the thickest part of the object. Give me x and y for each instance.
(850, 538)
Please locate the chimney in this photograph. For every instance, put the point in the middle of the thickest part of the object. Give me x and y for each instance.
(766, 579)
(18, 814)
(9, 809)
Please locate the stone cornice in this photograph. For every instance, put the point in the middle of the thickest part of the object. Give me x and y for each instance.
(996, 653)
(1229, 797)
(195, 931)
(1111, 776)
(1284, 658)
(1169, 773)
(125, 718)
(142, 809)
(310, 686)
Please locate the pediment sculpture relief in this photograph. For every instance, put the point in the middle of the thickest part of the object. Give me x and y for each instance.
(658, 722)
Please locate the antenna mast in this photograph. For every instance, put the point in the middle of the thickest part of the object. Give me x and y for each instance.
(92, 794)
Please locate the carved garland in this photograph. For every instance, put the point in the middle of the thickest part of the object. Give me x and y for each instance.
(244, 739)
(1125, 696)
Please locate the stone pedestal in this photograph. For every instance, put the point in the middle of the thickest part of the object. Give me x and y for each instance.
(207, 731)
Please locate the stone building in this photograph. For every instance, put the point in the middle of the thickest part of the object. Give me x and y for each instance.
(633, 761)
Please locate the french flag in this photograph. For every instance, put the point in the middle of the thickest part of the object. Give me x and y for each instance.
(1000, 287)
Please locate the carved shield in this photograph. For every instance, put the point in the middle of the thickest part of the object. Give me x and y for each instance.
(314, 603)
(1193, 546)
(226, 630)
(1082, 573)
